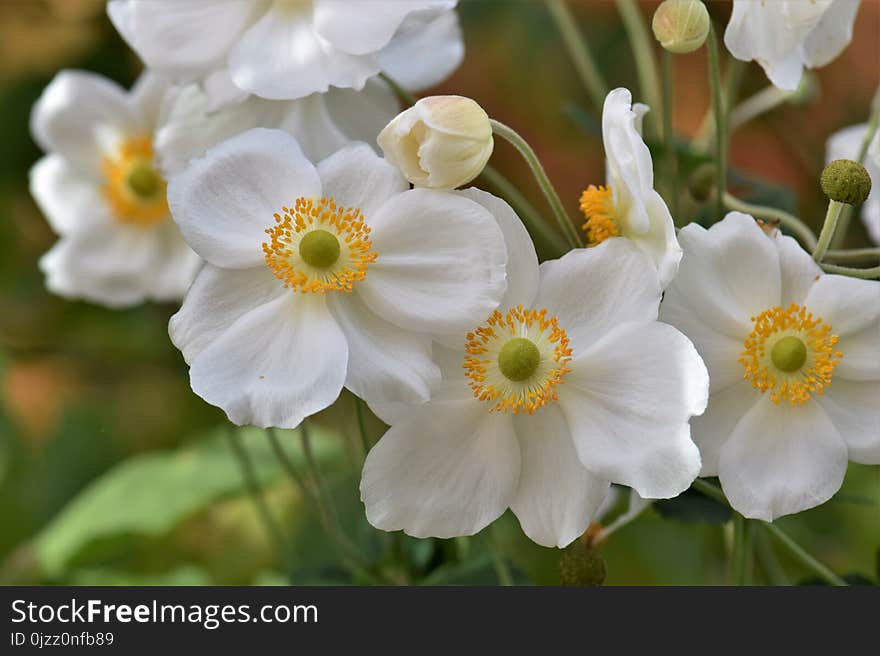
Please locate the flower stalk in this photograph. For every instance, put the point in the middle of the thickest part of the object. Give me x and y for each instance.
(720, 120)
(643, 52)
(828, 228)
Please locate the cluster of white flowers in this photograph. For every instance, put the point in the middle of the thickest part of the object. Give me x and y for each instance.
(243, 171)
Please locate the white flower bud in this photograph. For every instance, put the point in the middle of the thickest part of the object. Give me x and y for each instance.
(441, 142)
(681, 26)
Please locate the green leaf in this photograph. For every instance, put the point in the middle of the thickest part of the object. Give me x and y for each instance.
(693, 507)
(150, 494)
(185, 575)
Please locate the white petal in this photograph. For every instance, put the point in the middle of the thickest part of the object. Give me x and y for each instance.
(275, 365)
(361, 115)
(224, 201)
(852, 308)
(385, 363)
(448, 469)
(188, 37)
(68, 199)
(441, 262)
(282, 57)
(522, 261)
(628, 400)
(309, 120)
(853, 409)
(797, 269)
(425, 51)
(367, 25)
(146, 98)
(355, 176)
(216, 300)
(832, 34)
(75, 112)
(729, 274)
(782, 459)
(176, 267)
(713, 428)
(592, 290)
(556, 497)
(659, 241)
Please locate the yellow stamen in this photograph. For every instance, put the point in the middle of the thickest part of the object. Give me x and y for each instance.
(133, 187)
(597, 205)
(285, 257)
(774, 360)
(494, 378)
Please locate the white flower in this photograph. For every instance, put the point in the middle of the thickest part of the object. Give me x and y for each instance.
(102, 193)
(292, 48)
(321, 123)
(845, 144)
(784, 36)
(629, 206)
(441, 142)
(319, 277)
(794, 362)
(570, 385)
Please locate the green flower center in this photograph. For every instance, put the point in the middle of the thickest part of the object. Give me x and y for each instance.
(319, 249)
(143, 180)
(519, 359)
(789, 354)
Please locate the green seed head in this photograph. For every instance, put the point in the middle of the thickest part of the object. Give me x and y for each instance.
(846, 181)
(581, 565)
(143, 180)
(789, 354)
(519, 359)
(319, 248)
(681, 26)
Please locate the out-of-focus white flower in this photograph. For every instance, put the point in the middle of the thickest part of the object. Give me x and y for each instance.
(319, 277)
(292, 48)
(321, 123)
(785, 36)
(441, 142)
(568, 386)
(101, 191)
(846, 144)
(794, 363)
(629, 206)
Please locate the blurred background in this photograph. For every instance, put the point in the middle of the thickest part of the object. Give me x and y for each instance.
(113, 472)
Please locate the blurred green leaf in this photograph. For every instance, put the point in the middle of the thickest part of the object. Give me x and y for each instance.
(185, 575)
(694, 507)
(148, 495)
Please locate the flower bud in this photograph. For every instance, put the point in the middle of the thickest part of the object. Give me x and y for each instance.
(846, 181)
(681, 26)
(441, 142)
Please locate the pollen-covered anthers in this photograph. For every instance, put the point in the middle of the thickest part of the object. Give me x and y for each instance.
(790, 353)
(515, 360)
(319, 246)
(133, 187)
(597, 206)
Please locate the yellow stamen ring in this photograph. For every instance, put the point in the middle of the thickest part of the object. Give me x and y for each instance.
(318, 246)
(790, 353)
(133, 187)
(597, 206)
(515, 360)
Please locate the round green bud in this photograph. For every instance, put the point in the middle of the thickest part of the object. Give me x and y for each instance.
(789, 354)
(681, 26)
(319, 248)
(519, 359)
(846, 181)
(143, 180)
(581, 565)
(701, 182)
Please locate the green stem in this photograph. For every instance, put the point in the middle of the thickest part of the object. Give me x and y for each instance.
(401, 93)
(534, 222)
(793, 547)
(868, 274)
(794, 224)
(873, 124)
(761, 102)
(773, 570)
(737, 557)
(828, 228)
(643, 52)
(580, 54)
(720, 120)
(502, 571)
(512, 137)
(256, 493)
(288, 466)
(362, 426)
(669, 134)
(852, 254)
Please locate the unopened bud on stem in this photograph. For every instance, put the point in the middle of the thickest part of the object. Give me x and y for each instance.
(681, 26)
